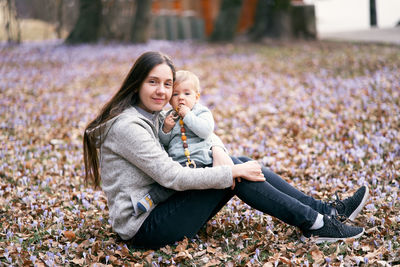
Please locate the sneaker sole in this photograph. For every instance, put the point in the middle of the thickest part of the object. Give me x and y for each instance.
(360, 206)
(319, 240)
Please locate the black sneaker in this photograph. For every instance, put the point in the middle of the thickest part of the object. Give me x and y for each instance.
(333, 231)
(351, 206)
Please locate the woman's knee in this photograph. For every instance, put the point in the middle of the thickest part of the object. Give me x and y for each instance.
(244, 159)
(235, 160)
(250, 186)
(241, 159)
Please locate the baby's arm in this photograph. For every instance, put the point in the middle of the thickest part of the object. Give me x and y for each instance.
(169, 123)
(166, 129)
(221, 158)
(201, 124)
(219, 153)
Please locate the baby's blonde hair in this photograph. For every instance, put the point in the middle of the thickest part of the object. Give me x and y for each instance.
(184, 75)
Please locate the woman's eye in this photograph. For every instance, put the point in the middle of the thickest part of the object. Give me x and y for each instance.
(152, 82)
(168, 85)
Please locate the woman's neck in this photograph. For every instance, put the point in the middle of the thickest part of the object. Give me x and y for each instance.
(145, 113)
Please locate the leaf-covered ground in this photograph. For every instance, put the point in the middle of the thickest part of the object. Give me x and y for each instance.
(325, 116)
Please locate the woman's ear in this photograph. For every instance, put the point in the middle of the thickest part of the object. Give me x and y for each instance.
(197, 96)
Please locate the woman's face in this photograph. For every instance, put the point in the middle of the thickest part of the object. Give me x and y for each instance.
(156, 89)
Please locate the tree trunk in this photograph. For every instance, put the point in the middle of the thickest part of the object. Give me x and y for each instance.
(227, 20)
(59, 25)
(140, 32)
(303, 21)
(281, 26)
(262, 20)
(12, 26)
(280, 20)
(86, 29)
(372, 13)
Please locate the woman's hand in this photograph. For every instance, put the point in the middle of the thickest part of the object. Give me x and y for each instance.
(169, 123)
(250, 170)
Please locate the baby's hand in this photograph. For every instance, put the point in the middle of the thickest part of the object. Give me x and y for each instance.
(183, 110)
(169, 123)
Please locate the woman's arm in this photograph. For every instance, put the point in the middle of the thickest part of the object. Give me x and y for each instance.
(251, 172)
(220, 158)
(134, 142)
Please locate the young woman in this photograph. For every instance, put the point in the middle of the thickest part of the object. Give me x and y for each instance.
(132, 161)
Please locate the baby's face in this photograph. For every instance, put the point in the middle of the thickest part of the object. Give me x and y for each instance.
(184, 94)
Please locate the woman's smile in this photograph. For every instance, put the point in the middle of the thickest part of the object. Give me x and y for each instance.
(159, 100)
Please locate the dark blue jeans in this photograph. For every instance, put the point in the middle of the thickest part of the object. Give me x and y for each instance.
(184, 213)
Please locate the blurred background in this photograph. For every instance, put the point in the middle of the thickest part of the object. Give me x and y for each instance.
(137, 21)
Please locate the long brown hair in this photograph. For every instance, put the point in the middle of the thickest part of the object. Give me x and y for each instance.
(127, 95)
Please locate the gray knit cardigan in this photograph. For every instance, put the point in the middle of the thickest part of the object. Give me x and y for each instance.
(132, 160)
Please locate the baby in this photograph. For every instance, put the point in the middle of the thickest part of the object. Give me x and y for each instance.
(187, 141)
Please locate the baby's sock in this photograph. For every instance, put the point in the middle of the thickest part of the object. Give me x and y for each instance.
(145, 203)
(319, 222)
